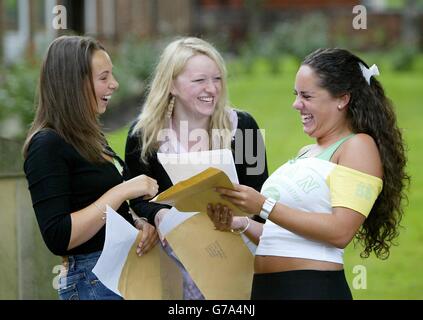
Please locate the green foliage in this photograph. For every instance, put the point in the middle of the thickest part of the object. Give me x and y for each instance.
(309, 34)
(133, 65)
(18, 83)
(248, 54)
(395, 4)
(288, 38)
(271, 48)
(402, 57)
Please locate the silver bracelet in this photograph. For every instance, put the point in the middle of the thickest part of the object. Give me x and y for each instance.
(243, 230)
(142, 224)
(140, 218)
(103, 217)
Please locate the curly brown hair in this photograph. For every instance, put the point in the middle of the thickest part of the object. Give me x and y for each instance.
(370, 112)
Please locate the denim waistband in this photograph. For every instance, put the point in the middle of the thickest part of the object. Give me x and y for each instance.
(78, 259)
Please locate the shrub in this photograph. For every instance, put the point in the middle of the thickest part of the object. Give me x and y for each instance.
(288, 38)
(402, 57)
(18, 84)
(134, 63)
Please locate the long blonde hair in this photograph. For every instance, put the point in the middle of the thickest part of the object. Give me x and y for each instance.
(66, 97)
(153, 115)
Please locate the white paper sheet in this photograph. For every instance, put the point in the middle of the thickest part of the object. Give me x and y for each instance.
(173, 219)
(120, 236)
(182, 166)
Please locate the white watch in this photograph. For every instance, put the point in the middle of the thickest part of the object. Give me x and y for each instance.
(268, 206)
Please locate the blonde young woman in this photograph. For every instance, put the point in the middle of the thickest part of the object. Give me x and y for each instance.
(70, 167)
(188, 96)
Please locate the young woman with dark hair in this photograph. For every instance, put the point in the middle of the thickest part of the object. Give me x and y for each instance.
(350, 184)
(71, 169)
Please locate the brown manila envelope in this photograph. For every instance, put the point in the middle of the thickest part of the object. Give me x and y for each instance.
(219, 262)
(193, 194)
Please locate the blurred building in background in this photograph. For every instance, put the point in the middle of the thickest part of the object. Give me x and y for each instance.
(27, 24)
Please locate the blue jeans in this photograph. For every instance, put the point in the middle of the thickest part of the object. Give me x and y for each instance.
(79, 283)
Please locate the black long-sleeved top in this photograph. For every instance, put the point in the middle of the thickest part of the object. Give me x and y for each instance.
(135, 167)
(61, 181)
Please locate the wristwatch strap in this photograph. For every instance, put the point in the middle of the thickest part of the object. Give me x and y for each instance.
(267, 208)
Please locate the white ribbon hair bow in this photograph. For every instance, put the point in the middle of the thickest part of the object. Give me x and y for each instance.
(369, 72)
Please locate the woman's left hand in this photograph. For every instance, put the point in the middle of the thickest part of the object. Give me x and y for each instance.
(149, 236)
(245, 198)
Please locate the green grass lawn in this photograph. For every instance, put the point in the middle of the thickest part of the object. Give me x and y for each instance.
(269, 99)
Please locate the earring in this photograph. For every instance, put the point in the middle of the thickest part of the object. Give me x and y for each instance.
(339, 107)
(170, 107)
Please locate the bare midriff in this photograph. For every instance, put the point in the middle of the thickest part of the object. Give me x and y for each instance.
(268, 264)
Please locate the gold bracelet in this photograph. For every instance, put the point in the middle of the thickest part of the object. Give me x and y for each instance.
(103, 217)
(243, 230)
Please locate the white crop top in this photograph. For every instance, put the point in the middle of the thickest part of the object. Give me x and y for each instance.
(314, 185)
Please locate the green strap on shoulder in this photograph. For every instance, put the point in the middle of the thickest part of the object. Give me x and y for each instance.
(329, 151)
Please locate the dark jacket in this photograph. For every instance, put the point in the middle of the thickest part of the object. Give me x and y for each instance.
(250, 163)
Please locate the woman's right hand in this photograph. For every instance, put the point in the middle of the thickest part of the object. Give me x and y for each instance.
(221, 216)
(140, 186)
(223, 219)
